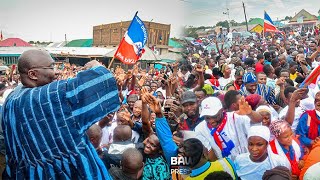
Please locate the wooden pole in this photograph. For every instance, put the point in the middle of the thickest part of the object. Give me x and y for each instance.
(109, 66)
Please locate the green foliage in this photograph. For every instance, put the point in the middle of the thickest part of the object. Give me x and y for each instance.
(223, 24)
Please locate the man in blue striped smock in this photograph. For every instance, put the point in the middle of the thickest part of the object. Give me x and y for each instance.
(45, 121)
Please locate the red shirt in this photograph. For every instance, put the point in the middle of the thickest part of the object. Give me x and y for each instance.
(259, 67)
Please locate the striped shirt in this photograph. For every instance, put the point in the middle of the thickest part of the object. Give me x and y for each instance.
(263, 90)
(44, 127)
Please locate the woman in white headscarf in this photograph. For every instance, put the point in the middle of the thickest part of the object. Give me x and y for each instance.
(252, 165)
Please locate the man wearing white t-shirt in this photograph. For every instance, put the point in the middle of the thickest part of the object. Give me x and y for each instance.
(223, 133)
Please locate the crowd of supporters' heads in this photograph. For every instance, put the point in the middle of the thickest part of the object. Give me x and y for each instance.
(268, 70)
(94, 134)
(261, 78)
(122, 133)
(152, 145)
(189, 104)
(285, 73)
(132, 163)
(193, 149)
(132, 98)
(218, 175)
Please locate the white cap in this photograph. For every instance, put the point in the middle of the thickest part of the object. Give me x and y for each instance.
(260, 131)
(210, 106)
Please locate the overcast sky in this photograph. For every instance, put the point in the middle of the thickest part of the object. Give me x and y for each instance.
(209, 12)
(46, 20)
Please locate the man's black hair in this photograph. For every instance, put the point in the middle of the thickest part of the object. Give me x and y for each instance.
(277, 71)
(289, 82)
(207, 76)
(267, 69)
(230, 98)
(218, 175)
(267, 56)
(260, 56)
(193, 148)
(293, 63)
(289, 89)
(249, 62)
(299, 79)
(216, 71)
(274, 62)
(284, 70)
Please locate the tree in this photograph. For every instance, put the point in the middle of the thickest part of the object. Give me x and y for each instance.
(288, 18)
(319, 12)
(191, 32)
(233, 23)
(31, 42)
(223, 24)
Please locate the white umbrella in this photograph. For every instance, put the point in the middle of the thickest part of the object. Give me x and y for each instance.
(148, 55)
(171, 56)
(3, 68)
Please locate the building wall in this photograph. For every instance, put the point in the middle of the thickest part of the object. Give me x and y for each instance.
(111, 34)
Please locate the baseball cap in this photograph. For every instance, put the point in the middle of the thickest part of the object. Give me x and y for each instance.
(188, 96)
(210, 106)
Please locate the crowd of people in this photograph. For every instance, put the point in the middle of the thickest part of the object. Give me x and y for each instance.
(237, 112)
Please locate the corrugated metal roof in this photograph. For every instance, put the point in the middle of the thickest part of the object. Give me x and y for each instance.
(80, 43)
(14, 42)
(72, 51)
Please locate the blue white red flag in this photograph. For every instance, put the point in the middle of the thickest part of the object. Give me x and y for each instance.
(131, 46)
(312, 80)
(268, 24)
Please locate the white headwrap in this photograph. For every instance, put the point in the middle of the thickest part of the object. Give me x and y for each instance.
(264, 108)
(260, 131)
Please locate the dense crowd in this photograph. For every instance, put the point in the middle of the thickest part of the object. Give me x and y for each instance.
(232, 112)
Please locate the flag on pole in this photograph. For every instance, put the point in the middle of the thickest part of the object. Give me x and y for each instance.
(268, 25)
(312, 79)
(131, 46)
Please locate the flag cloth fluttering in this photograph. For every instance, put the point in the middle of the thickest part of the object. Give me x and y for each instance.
(312, 79)
(131, 46)
(268, 25)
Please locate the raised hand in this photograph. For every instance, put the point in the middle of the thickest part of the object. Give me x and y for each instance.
(125, 115)
(199, 68)
(153, 103)
(118, 71)
(244, 107)
(143, 93)
(90, 64)
(280, 81)
(135, 70)
(298, 94)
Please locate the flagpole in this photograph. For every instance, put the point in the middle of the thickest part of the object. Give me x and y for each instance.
(264, 30)
(109, 66)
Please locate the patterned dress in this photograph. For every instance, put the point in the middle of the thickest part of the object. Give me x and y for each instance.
(156, 168)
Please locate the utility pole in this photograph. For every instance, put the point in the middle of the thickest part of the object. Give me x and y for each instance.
(149, 32)
(227, 13)
(245, 15)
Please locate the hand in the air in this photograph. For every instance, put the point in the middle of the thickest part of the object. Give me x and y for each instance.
(244, 107)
